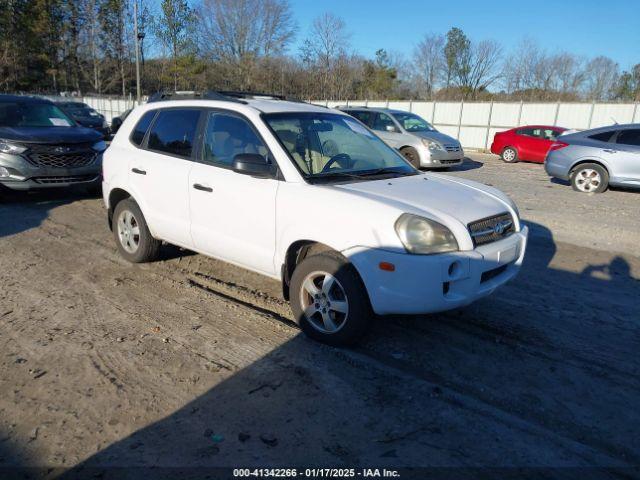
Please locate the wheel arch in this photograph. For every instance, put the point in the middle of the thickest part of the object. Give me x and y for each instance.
(295, 253)
(115, 197)
(582, 161)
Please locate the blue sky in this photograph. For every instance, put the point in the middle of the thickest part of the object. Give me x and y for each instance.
(586, 27)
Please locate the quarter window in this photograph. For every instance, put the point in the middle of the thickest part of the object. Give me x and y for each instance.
(227, 136)
(603, 136)
(141, 128)
(629, 137)
(173, 131)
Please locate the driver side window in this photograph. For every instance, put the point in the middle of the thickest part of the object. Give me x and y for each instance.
(227, 136)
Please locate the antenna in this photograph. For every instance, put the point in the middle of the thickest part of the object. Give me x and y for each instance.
(615, 122)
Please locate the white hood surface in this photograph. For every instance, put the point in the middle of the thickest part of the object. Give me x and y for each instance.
(436, 195)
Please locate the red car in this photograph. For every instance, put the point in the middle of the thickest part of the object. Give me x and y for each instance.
(529, 143)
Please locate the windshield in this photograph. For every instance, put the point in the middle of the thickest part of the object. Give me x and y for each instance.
(413, 123)
(83, 112)
(30, 114)
(328, 145)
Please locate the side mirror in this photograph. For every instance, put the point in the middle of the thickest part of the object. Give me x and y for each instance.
(390, 128)
(252, 164)
(116, 123)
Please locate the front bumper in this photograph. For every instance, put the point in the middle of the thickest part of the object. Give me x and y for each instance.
(435, 283)
(27, 176)
(440, 158)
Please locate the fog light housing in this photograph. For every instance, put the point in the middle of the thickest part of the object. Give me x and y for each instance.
(4, 172)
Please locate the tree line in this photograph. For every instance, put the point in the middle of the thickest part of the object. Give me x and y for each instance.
(88, 46)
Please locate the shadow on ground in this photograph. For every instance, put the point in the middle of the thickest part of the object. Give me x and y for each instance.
(539, 379)
(467, 164)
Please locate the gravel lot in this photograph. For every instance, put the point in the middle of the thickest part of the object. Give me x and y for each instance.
(191, 362)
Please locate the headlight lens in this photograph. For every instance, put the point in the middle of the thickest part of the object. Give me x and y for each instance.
(6, 147)
(423, 236)
(100, 146)
(431, 145)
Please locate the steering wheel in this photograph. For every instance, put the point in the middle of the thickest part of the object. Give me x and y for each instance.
(337, 158)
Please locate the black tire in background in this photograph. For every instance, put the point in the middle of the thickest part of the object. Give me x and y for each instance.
(148, 248)
(509, 155)
(412, 155)
(589, 178)
(356, 322)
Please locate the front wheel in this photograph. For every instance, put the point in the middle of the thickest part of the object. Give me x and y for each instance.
(509, 155)
(132, 234)
(412, 155)
(589, 178)
(329, 300)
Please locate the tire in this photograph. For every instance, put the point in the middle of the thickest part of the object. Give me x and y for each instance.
(136, 245)
(412, 155)
(346, 325)
(509, 155)
(589, 178)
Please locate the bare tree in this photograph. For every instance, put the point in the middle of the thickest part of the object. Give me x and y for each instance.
(325, 49)
(483, 66)
(601, 78)
(429, 63)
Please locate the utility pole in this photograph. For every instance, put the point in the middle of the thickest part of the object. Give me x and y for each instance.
(135, 28)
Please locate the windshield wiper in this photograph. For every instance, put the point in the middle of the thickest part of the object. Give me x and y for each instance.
(382, 171)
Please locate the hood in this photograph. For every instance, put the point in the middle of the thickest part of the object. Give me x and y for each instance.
(89, 121)
(439, 197)
(49, 134)
(438, 137)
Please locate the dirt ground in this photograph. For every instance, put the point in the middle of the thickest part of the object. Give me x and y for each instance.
(190, 362)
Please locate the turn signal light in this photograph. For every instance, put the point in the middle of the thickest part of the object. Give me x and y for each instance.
(387, 267)
(558, 146)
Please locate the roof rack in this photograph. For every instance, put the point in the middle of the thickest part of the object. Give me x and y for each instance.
(227, 96)
(181, 95)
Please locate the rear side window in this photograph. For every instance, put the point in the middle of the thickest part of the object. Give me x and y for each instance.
(603, 136)
(174, 131)
(364, 117)
(141, 128)
(629, 137)
(529, 132)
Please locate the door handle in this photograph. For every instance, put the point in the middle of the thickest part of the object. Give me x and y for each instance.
(138, 171)
(608, 150)
(202, 188)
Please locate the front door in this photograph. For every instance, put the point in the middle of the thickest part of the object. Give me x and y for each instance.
(386, 129)
(626, 159)
(232, 215)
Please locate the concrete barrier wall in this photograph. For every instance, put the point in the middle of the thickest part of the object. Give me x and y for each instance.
(474, 124)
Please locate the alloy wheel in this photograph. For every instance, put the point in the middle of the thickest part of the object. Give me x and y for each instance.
(324, 302)
(128, 231)
(588, 180)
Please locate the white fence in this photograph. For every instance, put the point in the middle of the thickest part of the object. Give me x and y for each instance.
(474, 124)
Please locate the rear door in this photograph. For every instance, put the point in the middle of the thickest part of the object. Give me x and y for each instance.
(160, 170)
(232, 214)
(626, 164)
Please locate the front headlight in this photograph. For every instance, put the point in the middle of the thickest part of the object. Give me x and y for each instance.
(423, 236)
(431, 145)
(100, 146)
(6, 147)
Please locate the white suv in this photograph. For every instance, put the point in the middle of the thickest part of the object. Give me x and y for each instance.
(311, 197)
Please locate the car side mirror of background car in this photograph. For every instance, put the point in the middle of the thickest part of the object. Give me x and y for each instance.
(391, 128)
(253, 164)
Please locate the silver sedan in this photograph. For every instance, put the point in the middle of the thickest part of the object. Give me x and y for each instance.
(594, 159)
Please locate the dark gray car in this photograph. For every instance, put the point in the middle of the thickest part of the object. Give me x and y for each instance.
(594, 159)
(42, 147)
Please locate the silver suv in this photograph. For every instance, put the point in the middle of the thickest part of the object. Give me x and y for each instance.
(417, 140)
(594, 159)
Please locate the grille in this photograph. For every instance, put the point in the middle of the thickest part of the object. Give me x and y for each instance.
(65, 179)
(72, 155)
(491, 229)
(452, 148)
(446, 162)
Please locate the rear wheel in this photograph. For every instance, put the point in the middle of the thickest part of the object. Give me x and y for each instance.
(412, 155)
(509, 155)
(132, 235)
(329, 300)
(589, 178)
